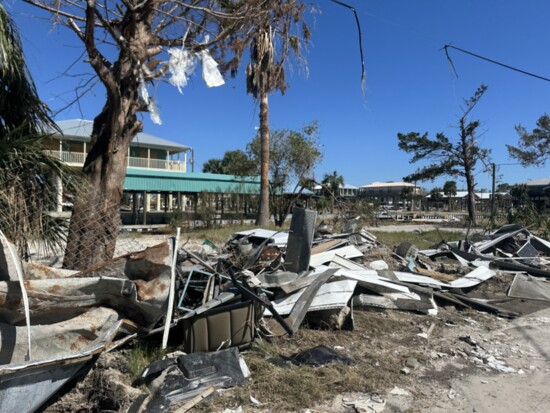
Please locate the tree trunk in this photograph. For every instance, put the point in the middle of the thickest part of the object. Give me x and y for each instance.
(470, 185)
(262, 218)
(95, 221)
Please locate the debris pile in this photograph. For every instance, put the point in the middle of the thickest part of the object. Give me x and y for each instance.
(54, 323)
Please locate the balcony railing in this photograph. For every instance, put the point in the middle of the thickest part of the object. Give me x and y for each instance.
(156, 164)
(69, 157)
(78, 158)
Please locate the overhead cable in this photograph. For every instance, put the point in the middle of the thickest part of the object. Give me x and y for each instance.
(360, 39)
(447, 46)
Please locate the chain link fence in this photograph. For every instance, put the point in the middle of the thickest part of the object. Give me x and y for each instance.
(40, 230)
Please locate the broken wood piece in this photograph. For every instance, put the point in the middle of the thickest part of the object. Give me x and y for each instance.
(427, 333)
(172, 290)
(327, 245)
(196, 400)
(434, 274)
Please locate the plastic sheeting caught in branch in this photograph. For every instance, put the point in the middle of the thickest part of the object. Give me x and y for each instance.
(151, 107)
(210, 72)
(181, 65)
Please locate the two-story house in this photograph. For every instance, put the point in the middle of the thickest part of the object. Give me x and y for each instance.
(157, 176)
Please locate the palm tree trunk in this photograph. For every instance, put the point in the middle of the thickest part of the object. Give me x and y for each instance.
(262, 217)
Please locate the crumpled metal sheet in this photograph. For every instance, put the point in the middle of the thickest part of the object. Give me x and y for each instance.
(26, 386)
(533, 288)
(56, 339)
(331, 295)
(277, 238)
(139, 301)
(346, 252)
(73, 319)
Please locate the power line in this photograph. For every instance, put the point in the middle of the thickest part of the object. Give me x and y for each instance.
(447, 46)
(360, 39)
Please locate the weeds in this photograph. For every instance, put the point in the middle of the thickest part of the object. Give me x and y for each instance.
(141, 356)
(284, 387)
(422, 240)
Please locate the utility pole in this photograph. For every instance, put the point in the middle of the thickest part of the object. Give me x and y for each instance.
(413, 194)
(493, 212)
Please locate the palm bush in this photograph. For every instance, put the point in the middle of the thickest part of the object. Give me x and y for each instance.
(27, 190)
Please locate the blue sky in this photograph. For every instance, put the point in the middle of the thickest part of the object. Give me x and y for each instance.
(409, 85)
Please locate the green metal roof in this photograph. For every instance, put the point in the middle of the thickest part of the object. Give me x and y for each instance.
(166, 181)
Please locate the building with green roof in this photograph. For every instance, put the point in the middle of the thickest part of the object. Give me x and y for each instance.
(157, 177)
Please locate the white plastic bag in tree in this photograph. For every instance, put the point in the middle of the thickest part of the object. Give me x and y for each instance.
(154, 112)
(181, 65)
(210, 72)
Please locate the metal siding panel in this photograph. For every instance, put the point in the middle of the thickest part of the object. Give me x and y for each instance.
(184, 183)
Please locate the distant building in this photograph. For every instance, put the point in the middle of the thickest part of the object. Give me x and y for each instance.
(459, 201)
(390, 193)
(344, 191)
(539, 191)
(145, 151)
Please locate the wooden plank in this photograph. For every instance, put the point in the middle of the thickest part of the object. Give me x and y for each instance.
(196, 400)
(327, 245)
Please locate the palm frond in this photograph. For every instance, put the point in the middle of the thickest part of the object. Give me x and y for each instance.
(27, 174)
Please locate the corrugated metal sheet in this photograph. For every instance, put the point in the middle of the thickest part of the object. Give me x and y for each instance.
(164, 181)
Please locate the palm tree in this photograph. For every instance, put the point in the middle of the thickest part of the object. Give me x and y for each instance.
(26, 192)
(260, 83)
(266, 73)
(331, 186)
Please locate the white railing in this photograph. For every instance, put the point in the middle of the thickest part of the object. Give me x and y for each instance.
(138, 162)
(156, 164)
(69, 157)
(78, 158)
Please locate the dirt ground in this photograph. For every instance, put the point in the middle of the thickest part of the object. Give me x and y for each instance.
(448, 384)
(444, 375)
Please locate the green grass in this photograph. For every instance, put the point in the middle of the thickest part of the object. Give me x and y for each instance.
(422, 240)
(285, 387)
(141, 356)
